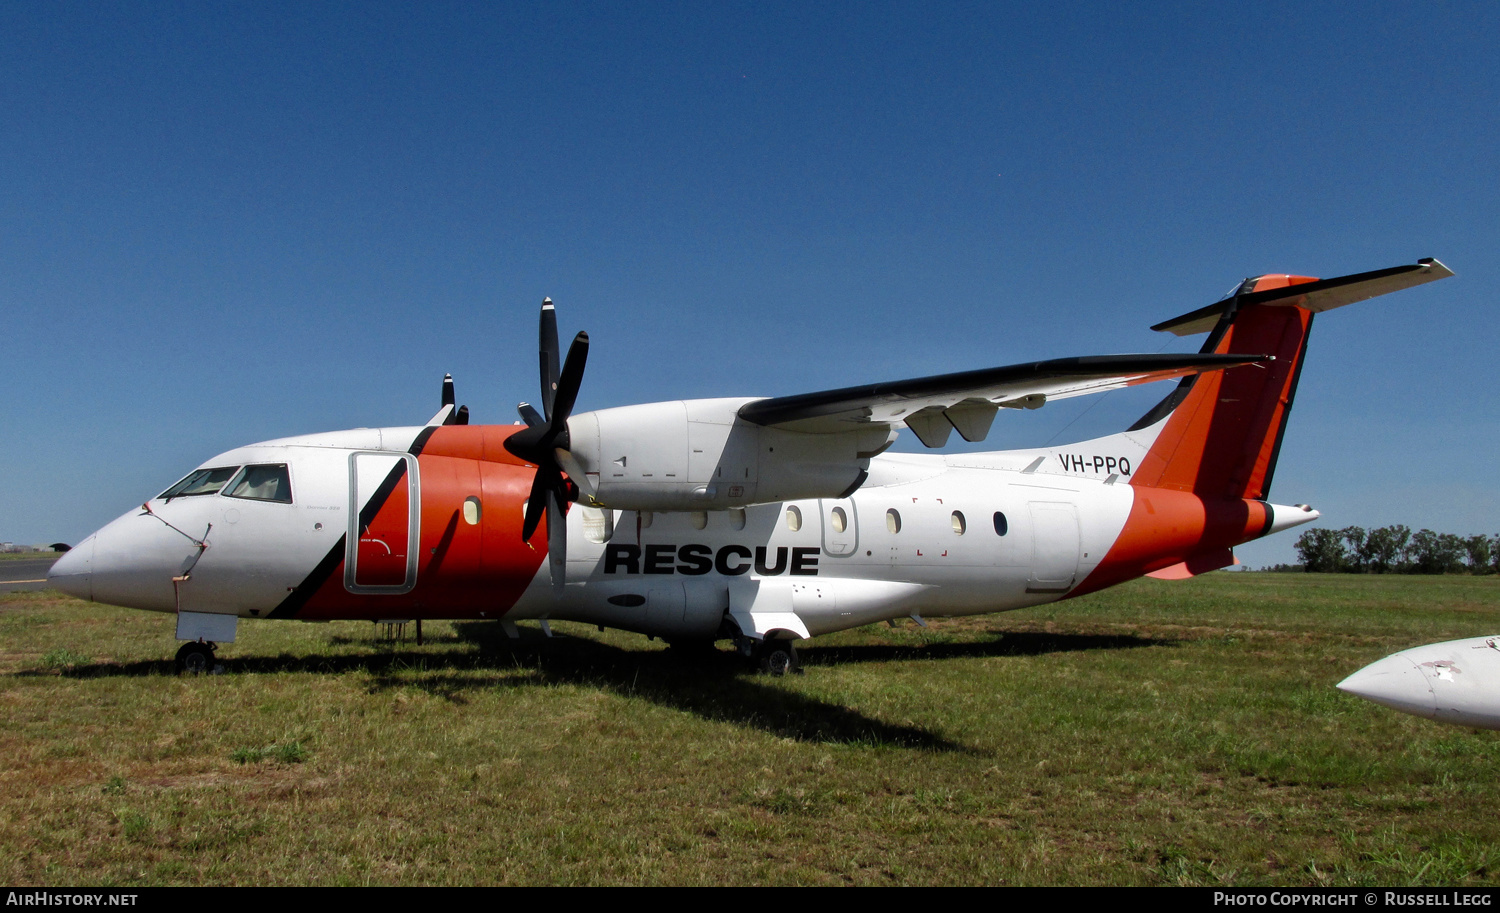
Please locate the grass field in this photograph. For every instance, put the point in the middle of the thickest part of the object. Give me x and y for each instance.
(1158, 733)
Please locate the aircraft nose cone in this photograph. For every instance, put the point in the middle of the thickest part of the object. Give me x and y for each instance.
(130, 562)
(1394, 682)
(1455, 682)
(73, 572)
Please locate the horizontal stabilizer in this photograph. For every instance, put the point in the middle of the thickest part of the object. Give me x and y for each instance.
(1201, 563)
(967, 400)
(1316, 296)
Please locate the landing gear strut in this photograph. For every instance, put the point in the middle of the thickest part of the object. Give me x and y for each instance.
(195, 658)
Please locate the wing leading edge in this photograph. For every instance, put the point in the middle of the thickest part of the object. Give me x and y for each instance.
(969, 400)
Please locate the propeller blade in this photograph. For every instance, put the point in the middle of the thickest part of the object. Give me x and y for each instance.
(549, 499)
(529, 415)
(574, 469)
(547, 344)
(536, 504)
(445, 415)
(462, 417)
(572, 377)
(557, 536)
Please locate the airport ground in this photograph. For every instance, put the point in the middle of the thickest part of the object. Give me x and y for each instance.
(25, 572)
(1158, 733)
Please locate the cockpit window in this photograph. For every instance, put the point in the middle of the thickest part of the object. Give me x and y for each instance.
(201, 482)
(269, 482)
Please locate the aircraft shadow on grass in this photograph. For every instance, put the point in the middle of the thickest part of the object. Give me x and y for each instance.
(1007, 643)
(703, 683)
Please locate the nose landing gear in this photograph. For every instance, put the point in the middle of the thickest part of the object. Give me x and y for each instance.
(195, 658)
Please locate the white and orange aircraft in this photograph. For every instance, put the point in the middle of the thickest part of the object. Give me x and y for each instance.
(759, 520)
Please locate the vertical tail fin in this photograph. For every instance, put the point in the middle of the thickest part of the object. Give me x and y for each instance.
(1221, 432)
(1222, 437)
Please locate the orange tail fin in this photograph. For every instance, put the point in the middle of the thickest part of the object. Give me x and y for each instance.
(1222, 431)
(1222, 438)
(1211, 445)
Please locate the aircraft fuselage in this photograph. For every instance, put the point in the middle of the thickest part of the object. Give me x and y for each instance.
(374, 531)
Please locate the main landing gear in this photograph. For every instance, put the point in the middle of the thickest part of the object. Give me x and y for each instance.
(195, 658)
(776, 657)
(772, 654)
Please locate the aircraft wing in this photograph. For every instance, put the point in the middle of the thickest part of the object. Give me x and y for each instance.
(969, 400)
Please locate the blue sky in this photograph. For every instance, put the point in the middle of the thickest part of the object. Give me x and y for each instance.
(222, 223)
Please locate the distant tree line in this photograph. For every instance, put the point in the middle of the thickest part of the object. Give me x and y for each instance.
(1396, 550)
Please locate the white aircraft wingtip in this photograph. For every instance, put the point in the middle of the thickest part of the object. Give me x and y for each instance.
(1394, 682)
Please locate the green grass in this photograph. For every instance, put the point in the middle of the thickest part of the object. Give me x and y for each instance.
(289, 753)
(1158, 733)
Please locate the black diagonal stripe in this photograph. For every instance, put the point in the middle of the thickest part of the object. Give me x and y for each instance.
(314, 581)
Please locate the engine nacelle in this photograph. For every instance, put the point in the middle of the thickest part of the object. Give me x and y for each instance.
(699, 455)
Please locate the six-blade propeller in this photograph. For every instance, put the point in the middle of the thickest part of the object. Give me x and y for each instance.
(545, 440)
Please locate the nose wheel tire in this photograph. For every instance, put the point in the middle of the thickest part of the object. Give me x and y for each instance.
(195, 659)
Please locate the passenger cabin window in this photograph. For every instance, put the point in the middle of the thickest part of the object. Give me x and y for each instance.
(793, 519)
(269, 482)
(1001, 527)
(893, 521)
(958, 522)
(200, 482)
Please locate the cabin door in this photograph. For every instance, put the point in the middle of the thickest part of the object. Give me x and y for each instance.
(380, 551)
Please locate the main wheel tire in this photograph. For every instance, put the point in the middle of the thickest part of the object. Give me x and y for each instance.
(195, 659)
(778, 657)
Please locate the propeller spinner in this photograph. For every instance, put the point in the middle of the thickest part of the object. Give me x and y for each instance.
(545, 441)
